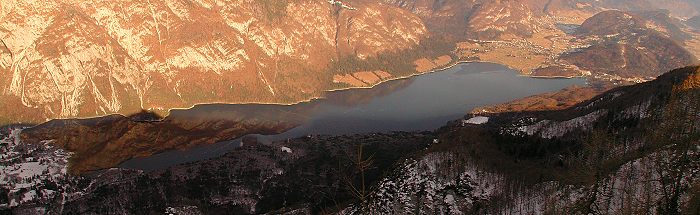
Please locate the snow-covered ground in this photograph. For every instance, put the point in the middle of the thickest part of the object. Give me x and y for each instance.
(553, 129)
(435, 184)
(439, 184)
(31, 172)
(286, 149)
(477, 120)
(183, 210)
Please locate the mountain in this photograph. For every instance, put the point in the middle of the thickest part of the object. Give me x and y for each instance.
(624, 46)
(444, 16)
(694, 22)
(76, 59)
(575, 10)
(664, 23)
(105, 82)
(493, 19)
(594, 157)
(681, 8)
(65, 59)
(610, 47)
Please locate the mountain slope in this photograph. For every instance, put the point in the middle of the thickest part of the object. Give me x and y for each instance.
(694, 22)
(493, 19)
(595, 157)
(75, 59)
(624, 46)
(578, 10)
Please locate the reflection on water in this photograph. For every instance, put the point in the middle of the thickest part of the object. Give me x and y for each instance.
(425, 102)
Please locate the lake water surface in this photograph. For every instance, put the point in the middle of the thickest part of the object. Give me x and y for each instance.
(424, 102)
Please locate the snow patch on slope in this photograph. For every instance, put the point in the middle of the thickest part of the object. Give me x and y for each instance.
(437, 183)
(27, 169)
(478, 120)
(552, 129)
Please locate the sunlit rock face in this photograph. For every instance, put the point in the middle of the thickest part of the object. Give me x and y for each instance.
(64, 58)
(479, 19)
(69, 58)
(493, 19)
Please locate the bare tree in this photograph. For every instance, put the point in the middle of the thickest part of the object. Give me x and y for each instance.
(360, 164)
(677, 136)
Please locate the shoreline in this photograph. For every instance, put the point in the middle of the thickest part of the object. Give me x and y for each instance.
(396, 78)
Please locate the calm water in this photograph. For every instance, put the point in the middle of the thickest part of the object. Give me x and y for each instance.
(424, 102)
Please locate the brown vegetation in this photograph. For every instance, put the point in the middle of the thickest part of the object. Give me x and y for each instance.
(559, 100)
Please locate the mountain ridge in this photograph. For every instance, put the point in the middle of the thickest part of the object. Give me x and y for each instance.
(258, 51)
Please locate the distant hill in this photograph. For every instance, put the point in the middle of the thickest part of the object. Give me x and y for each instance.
(626, 47)
(694, 22)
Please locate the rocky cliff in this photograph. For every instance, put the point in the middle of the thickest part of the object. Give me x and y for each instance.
(64, 59)
(73, 59)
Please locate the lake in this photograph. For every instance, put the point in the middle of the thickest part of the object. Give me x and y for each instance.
(424, 102)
